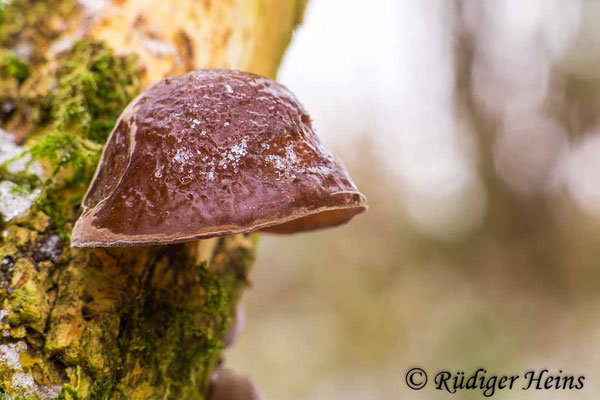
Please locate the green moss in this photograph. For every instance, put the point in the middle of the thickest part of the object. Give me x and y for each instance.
(102, 388)
(14, 66)
(68, 393)
(178, 333)
(215, 303)
(32, 20)
(149, 331)
(193, 335)
(89, 89)
(94, 86)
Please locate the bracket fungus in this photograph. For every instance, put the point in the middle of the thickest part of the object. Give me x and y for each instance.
(212, 153)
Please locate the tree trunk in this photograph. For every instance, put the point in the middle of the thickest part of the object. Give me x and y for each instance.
(125, 323)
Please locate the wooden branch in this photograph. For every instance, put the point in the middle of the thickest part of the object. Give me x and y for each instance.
(130, 323)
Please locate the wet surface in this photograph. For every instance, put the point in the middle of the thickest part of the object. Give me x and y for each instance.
(211, 153)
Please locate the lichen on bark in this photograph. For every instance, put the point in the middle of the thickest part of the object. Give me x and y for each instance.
(69, 108)
(140, 323)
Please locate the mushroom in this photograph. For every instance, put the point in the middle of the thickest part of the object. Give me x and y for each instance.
(226, 384)
(212, 153)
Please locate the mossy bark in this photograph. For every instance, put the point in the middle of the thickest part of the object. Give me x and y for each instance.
(129, 323)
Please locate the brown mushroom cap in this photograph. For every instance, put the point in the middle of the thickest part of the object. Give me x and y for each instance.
(212, 153)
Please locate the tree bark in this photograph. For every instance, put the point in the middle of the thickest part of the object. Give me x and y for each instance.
(125, 323)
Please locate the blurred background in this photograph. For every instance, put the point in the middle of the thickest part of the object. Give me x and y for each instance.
(473, 128)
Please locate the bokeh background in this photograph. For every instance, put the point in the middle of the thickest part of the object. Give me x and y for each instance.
(473, 128)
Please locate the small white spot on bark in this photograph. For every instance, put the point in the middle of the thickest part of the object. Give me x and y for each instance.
(159, 48)
(14, 201)
(9, 355)
(92, 7)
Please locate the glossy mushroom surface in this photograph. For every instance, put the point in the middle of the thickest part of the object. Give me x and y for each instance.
(212, 153)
